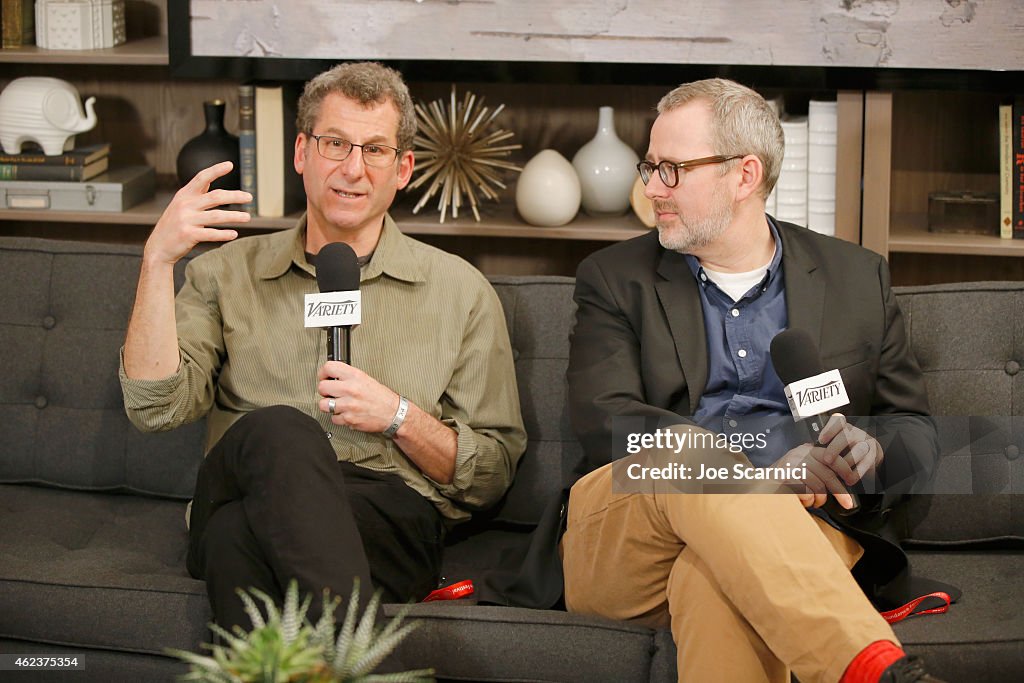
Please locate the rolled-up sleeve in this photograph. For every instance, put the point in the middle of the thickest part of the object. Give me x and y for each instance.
(188, 394)
(482, 406)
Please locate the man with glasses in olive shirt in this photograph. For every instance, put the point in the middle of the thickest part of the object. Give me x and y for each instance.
(319, 470)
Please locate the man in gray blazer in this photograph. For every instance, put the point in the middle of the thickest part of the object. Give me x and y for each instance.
(675, 327)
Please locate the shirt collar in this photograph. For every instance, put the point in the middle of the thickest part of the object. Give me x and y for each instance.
(773, 267)
(392, 257)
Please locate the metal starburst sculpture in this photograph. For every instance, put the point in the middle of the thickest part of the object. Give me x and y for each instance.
(459, 152)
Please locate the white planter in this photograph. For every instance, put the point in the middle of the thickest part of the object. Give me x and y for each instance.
(548, 192)
(79, 24)
(607, 169)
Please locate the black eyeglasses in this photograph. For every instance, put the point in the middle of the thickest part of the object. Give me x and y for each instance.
(338, 149)
(669, 170)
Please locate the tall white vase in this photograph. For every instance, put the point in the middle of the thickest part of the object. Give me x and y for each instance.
(607, 169)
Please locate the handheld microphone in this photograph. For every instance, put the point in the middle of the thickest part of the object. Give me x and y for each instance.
(813, 393)
(338, 306)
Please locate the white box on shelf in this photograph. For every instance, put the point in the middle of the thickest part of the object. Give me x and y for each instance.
(822, 124)
(79, 24)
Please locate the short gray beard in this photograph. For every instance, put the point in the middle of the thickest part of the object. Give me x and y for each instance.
(688, 237)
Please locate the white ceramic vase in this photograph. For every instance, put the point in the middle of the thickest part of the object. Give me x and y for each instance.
(548, 190)
(607, 169)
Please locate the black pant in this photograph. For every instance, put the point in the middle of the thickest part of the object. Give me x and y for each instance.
(272, 503)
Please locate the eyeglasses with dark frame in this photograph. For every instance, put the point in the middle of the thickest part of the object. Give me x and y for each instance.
(669, 170)
(338, 149)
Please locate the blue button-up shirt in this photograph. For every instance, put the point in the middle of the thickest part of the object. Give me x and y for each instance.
(743, 393)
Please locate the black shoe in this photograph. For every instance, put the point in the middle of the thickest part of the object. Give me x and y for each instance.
(907, 670)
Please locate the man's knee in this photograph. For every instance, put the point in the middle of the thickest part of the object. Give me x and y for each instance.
(275, 420)
(278, 431)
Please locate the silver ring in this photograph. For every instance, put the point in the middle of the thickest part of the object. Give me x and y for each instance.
(330, 406)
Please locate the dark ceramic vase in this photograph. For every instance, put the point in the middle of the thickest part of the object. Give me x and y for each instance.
(211, 146)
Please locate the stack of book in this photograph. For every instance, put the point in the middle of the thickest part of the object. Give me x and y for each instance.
(78, 165)
(77, 180)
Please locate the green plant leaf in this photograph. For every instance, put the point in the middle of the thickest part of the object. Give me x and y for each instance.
(251, 610)
(284, 647)
(381, 648)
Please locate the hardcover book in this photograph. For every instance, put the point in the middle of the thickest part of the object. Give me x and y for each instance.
(279, 189)
(53, 172)
(80, 156)
(1006, 171)
(1017, 128)
(19, 22)
(247, 144)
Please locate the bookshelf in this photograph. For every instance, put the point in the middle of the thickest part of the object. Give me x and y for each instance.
(894, 146)
(917, 142)
(150, 51)
(497, 221)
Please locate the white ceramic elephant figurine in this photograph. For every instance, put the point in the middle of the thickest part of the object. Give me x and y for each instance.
(43, 110)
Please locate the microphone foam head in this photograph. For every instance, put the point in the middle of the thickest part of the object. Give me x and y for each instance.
(795, 356)
(337, 269)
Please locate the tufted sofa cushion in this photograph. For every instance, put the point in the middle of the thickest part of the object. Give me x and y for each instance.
(62, 320)
(969, 340)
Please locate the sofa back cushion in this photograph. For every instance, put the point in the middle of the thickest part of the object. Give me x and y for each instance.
(63, 315)
(66, 305)
(969, 340)
(63, 318)
(539, 311)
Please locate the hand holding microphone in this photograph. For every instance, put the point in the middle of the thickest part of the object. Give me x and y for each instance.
(353, 398)
(813, 395)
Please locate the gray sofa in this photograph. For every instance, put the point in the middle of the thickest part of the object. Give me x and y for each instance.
(92, 541)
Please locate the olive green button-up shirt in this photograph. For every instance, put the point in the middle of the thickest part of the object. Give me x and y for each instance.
(432, 330)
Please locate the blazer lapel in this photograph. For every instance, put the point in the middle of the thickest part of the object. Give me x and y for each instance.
(805, 289)
(680, 299)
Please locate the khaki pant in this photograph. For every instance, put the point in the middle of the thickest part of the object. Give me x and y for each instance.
(751, 584)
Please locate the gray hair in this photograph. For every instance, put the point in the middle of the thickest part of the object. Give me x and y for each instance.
(368, 83)
(742, 122)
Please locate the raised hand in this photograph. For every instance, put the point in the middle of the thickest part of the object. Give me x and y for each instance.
(191, 215)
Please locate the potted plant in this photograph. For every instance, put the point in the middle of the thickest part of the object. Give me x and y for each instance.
(285, 647)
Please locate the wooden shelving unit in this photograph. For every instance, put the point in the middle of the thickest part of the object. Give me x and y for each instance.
(920, 142)
(496, 221)
(909, 234)
(893, 149)
(150, 51)
(148, 116)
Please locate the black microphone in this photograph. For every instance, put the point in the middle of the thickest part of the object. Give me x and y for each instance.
(812, 392)
(338, 307)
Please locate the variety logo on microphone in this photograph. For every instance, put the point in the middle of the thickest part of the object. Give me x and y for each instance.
(816, 395)
(330, 309)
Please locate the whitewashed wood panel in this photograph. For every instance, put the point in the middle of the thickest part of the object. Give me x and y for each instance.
(950, 34)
